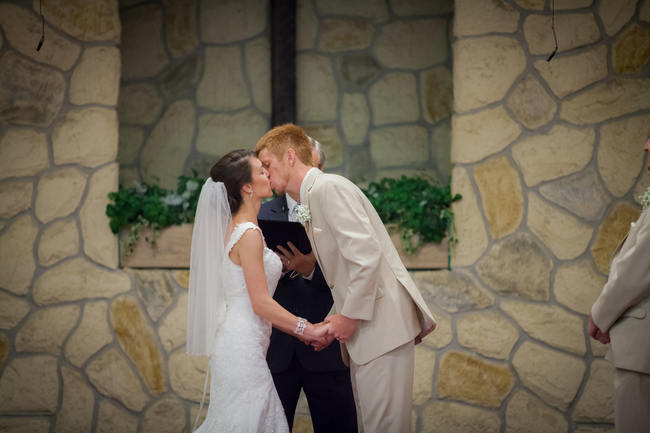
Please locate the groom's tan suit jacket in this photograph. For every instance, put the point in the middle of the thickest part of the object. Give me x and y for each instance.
(623, 307)
(362, 267)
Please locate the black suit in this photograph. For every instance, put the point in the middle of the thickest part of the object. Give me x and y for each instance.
(294, 365)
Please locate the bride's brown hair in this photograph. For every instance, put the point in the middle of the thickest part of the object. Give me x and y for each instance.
(234, 170)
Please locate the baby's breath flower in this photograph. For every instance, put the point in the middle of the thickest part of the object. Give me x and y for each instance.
(645, 198)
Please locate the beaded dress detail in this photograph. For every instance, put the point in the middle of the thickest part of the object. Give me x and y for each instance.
(243, 398)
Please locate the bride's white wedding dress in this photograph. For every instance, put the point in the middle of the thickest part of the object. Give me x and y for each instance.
(243, 398)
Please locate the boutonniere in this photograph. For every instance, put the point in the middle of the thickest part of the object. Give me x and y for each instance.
(645, 198)
(302, 214)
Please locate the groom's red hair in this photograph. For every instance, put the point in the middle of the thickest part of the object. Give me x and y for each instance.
(283, 137)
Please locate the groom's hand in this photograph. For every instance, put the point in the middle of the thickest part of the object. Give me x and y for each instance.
(294, 260)
(341, 327)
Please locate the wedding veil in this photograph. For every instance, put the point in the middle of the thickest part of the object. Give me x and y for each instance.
(206, 298)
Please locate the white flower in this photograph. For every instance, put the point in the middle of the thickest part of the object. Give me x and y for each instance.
(191, 185)
(172, 199)
(302, 214)
(645, 198)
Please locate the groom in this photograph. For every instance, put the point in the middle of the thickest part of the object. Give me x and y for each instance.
(380, 312)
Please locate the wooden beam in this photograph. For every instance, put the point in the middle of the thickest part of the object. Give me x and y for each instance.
(283, 61)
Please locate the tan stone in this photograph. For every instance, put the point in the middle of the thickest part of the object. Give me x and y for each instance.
(470, 379)
(594, 429)
(357, 70)
(484, 17)
(436, 93)
(441, 151)
(59, 193)
(306, 25)
(129, 177)
(557, 153)
(17, 255)
(631, 51)
(238, 19)
(501, 268)
(111, 418)
(412, 44)
(576, 30)
(619, 155)
(222, 133)
(182, 278)
(445, 416)
(484, 69)
(258, 70)
(154, 290)
(492, 128)
(581, 194)
(172, 328)
(597, 348)
(399, 145)
(355, 117)
(393, 99)
(527, 414)
(644, 13)
(112, 376)
(531, 104)
(87, 136)
(608, 100)
(130, 142)
(611, 232)
(453, 291)
(32, 94)
(22, 153)
(15, 197)
(442, 335)
(345, 35)
(187, 374)
(137, 339)
(425, 361)
(500, 190)
(143, 51)
(564, 5)
(139, 104)
(163, 155)
(470, 229)
(316, 89)
(616, 14)
(181, 32)
(548, 323)
(46, 329)
(4, 344)
(328, 137)
(18, 22)
(22, 424)
(566, 236)
(30, 384)
(166, 415)
(552, 375)
(373, 9)
(577, 285)
(421, 7)
(78, 279)
(568, 74)
(96, 79)
(77, 405)
(95, 21)
(90, 336)
(12, 310)
(223, 86)
(596, 404)
(487, 333)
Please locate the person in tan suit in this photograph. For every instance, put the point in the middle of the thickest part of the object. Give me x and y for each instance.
(622, 314)
(380, 313)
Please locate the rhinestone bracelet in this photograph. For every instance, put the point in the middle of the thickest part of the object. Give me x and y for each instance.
(300, 326)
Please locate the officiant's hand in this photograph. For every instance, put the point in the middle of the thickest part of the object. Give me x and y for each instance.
(294, 260)
(341, 327)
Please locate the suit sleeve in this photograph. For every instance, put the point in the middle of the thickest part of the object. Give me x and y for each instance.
(628, 282)
(356, 242)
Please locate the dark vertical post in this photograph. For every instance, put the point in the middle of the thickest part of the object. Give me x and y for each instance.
(283, 61)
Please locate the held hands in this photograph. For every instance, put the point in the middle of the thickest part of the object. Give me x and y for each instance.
(294, 260)
(596, 333)
(316, 335)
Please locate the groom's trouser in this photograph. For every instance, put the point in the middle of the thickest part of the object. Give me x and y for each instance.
(632, 393)
(383, 389)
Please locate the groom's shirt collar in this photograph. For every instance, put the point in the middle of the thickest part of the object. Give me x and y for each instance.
(303, 185)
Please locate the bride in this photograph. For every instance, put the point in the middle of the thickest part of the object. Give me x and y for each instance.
(230, 306)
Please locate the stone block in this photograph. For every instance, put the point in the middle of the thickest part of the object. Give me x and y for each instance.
(164, 153)
(22, 424)
(15, 197)
(306, 25)
(179, 80)
(500, 188)
(443, 333)
(58, 193)
(441, 151)
(154, 290)
(393, 99)
(182, 278)
(436, 93)
(501, 268)
(527, 414)
(425, 362)
(374, 9)
(77, 404)
(30, 384)
(470, 228)
(531, 104)
(166, 415)
(556, 153)
(92, 334)
(96, 79)
(46, 329)
(22, 153)
(596, 404)
(577, 30)
(568, 74)
(238, 20)
(31, 94)
(577, 285)
(357, 70)
(111, 418)
(492, 128)
(329, 138)
(359, 166)
(616, 14)
(488, 333)
(181, 32)
(316, 89)
(446, 416)
(619, 155)
(69, 281)
(412, 44)
(98, 20)
(87, 136)
(421, 7)
(223, 86)
(187, 374)
(18, 23)
(12, 310)
(129, 177)
(644, 12)
(484, 69)
(594, 429)
(17, 264)
(143, 50)
(258, 71)
(612, 232)
(129, 144)
(552, 375)
(564, 5)
(355, 117)
(345, 35)
(453, 291)
(172, 327)
(100, 244)
(597, 348)
(139, 104)
(399, 146)
(484, 17)
(582, 194)
(631, 51)
(222, 133)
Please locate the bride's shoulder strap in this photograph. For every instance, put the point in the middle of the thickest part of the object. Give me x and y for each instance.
(239, 231)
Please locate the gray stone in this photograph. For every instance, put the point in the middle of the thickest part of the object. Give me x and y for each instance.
(329, 138)
(393, 99)
(96, 79)
(15, 197)
(436, 93)
(454, 291)
(31, 94)
(98, 20)
(306, 25)
(484, 17)
(447, 416)
(564, 5)
(166, 415)
(22, 153)
(527, 414)
(345, 35)
(399, 145)
(139, 104)
(172, 327)
(154, 290)
(373, 9)
(359, 165)
(568, 74)
(111, 418)
(531, 104)
(644, 13)
(616, 14)
(355, 117)
(22, 424)
(596, 404)
(443, 334)
(46, 329)
(501, 268)
(441, 151)
(258, 71)
(487, 333)
(58, 241)
(631, 51)
(12, 310)
(130, 142)
(238, 19)
(58, 193)
(581, 194)
(17, 264)
(77, 404)
(91, 335)
(221, 133)
(223, 86)
(181, 31)
(143, 51)
(316, 89)
(577, 30)
(357, 70)
(179, 80)
(30, 384)
(413, 44)
(129, 177)
(421, 7)
(187, 374)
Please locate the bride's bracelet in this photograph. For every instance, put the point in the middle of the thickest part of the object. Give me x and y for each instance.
(300, 326)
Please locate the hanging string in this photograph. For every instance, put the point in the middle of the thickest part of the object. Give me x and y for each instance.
(40, 43)
(554, 34)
